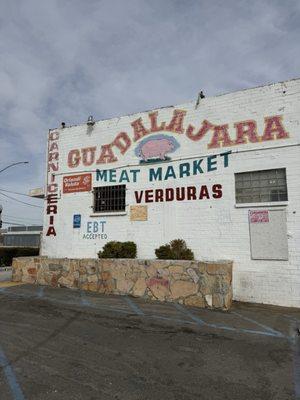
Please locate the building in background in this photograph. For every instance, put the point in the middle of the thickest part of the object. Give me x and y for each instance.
(221, 172)
(2, 231)
(22, 236)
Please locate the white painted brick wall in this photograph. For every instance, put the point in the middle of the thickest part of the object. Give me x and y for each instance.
(213, 229)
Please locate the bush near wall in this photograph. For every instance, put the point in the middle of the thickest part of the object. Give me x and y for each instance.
(8, 253)
(118, 250)
(175, 250)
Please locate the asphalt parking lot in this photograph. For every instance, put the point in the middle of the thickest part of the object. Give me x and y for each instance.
(67, 344)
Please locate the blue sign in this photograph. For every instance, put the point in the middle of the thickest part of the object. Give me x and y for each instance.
(76, 220)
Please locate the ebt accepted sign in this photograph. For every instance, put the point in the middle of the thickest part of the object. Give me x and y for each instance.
(95, 230)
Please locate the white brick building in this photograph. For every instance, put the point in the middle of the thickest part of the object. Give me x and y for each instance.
(223, 175)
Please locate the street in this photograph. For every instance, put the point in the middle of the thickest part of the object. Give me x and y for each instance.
(66, 344)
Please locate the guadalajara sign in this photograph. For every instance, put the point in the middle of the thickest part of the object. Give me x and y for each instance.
(245, 131)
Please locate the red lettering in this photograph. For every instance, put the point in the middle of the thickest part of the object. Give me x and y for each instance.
(153, 121)
(206, 126)
(53, 135)
(220, 136)
(159, 195)
(52, 167)
(138, 196)
(176, 124)
(52, 188)
(107, 155)
(51, 231)
(246, 128)
(88, 156)
(53, 146)
(138, 129)
(122, 142)
(52, 209)
(180, 194)
(169, 194)
(217, 191)
(191, 193)
(53, 156)
(73, 158)
(149, 196)
(52, 199)
(203, 192)
(274, 125)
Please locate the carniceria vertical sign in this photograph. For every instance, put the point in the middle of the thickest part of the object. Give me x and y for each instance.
(52, 186)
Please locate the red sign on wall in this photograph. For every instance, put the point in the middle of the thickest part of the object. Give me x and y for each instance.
(259, 216)
(77, 183)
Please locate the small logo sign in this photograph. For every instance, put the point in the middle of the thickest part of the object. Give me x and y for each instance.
(258, 217)
(77, 183)
(76, 220)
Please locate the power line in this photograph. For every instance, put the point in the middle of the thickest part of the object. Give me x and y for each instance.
(15, 223)
(21, 218)
(19, 201)
(12, 223)
(20, 194)
(25, 222)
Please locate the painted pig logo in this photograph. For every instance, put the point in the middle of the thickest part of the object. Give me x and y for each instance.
(155, 148)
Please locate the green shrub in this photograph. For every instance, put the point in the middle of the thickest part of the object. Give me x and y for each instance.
(164, 252)
(118, 250)
(175, 250)
(8, 253)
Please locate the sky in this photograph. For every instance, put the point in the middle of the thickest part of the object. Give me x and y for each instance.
(63, 60)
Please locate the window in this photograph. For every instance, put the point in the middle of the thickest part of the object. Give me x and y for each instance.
(109, 198)
(261, 186)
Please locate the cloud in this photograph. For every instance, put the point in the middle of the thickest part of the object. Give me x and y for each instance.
(62, 61)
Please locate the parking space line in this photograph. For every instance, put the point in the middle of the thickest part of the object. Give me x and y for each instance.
(40, 293)
(200, 322)
(267, 328)
(84, 301)
(292, 318)
(10, 377)
(133, 306)
(189, 314)
(251, 331)
(296, 361)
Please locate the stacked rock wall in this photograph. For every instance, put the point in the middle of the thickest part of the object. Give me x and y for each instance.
(193, 283)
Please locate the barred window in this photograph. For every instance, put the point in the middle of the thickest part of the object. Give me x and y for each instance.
(261, 186)
(109, 198)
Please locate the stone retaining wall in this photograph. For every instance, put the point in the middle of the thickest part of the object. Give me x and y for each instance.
(194, 283)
